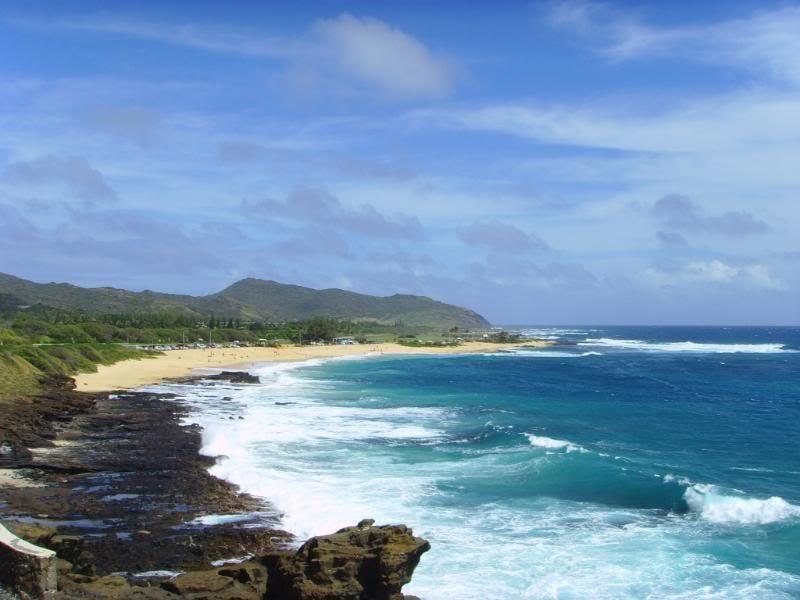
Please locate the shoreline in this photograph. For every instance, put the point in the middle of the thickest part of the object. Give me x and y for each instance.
(173, 364)
(116, 486)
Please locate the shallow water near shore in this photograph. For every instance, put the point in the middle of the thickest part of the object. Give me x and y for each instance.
(620, 463)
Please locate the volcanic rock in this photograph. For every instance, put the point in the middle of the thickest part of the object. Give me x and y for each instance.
(365, 562)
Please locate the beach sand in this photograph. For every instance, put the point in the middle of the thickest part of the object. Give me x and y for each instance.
(129, 374)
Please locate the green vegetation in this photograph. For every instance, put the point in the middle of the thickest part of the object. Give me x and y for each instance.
(412, 343)
(22, 365)
(50, 326)
(503, 337)
(249, 300)
(60, 329)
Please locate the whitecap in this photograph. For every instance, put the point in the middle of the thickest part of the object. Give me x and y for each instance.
(713, 505)
(522, 351)
(541, 441)
(686, 346)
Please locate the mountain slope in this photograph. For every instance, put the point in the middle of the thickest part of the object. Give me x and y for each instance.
(249, 299)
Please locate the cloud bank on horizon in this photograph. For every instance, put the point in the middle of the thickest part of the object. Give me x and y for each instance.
(559, 162)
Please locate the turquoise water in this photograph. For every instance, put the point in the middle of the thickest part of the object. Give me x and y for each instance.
(620, 463)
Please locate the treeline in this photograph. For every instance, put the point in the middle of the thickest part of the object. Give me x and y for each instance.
(58, 327)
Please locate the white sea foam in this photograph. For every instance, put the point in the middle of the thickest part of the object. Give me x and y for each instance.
(717, 507)
(541, 441)
(522, 351)
(686, 346)
(670, 478)
(220, 519)
(552, 333)
(231, 561)
(315, 461)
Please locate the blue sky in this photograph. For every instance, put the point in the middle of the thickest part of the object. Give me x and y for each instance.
(546, 162)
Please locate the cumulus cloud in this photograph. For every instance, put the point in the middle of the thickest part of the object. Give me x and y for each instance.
(109, 241)
(73, 173)
(680, 212)
(500, 237)
(319, 208)
(714, 272)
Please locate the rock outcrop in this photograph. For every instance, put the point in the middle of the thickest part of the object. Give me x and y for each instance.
(355, 563)
(30, 570)
(234, 377)
(246, 581)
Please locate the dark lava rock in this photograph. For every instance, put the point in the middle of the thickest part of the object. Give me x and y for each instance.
(119, 486)
(234, 377)
(355, 563)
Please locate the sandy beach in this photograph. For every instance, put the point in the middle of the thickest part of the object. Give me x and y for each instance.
(129, 374)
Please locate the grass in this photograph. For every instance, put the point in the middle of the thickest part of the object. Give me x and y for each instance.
(22, 366)
(18, 378)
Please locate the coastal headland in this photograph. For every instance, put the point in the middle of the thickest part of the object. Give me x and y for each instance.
(130, 374)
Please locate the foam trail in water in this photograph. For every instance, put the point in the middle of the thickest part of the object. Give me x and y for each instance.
(711, 504)
(686, 346)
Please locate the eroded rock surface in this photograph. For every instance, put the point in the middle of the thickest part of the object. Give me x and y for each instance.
(355, 563)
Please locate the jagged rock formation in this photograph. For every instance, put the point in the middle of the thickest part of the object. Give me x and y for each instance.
(355, 563)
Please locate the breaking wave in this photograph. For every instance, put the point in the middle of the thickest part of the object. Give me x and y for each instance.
(541, 441)
(713, 505)
(686, 346)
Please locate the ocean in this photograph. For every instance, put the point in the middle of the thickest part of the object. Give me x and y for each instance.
(622, 462)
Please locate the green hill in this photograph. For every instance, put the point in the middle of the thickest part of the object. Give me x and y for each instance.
(248, 299)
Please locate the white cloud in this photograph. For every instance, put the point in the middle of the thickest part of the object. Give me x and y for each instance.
(766, 43)
(706, 124)
(714, 272)
(500, 237)
(74, 174)
(363, 50)
(211, 39)
(378, 54)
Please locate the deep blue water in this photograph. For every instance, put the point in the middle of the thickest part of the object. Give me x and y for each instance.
(620, 463)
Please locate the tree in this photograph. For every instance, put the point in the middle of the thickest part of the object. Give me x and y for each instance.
(320, 329)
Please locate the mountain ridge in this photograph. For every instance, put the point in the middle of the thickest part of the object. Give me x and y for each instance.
(247, 299)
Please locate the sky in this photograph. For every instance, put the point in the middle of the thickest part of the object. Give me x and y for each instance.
(539, 162)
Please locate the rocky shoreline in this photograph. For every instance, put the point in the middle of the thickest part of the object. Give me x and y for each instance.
(115, 484)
